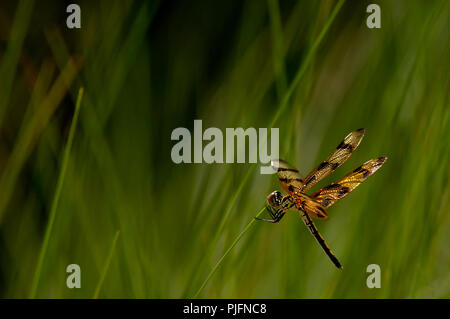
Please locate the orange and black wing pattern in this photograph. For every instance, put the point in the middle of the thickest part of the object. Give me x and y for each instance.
(339, 156)
(310, 205)
(330, 194)
(290, 178)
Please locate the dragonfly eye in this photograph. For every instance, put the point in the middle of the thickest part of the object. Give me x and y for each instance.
(274, 199)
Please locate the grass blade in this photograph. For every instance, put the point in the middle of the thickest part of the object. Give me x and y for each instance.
(8, 65)
(55, 201)
(106, 267)
(278, 51)
(301, 71)
(30, 132)
(236, 240)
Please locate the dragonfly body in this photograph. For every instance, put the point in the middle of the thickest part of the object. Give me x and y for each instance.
(315, 205)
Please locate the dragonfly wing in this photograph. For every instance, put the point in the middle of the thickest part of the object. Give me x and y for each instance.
(310, 206)
(339, 156)
(289, 176)
(330, 194)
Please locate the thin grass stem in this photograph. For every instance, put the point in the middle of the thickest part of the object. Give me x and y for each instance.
(306, 63)
(106, 267)
(48, 231)
(236, 240)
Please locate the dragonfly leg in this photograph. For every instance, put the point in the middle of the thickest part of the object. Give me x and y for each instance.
(286, 202)
(266, 220)
(276, 217)
(277, 207)
(279, 215)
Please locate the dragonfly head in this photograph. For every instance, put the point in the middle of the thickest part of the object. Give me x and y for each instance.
(274, 200)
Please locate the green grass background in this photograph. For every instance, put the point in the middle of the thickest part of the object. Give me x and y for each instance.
(311, 68)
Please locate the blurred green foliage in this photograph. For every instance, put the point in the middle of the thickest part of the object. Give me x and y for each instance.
(149, 67)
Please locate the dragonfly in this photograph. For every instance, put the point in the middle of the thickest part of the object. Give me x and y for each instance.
(315, 204)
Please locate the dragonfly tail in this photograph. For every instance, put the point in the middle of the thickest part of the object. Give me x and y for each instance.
(315, 232)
